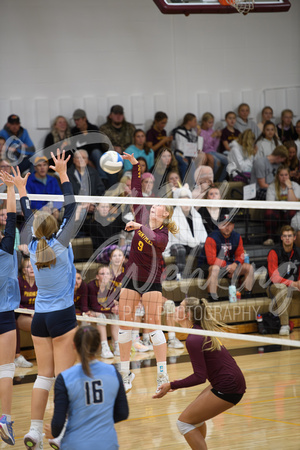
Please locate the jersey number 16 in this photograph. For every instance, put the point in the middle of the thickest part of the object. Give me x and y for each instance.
(93, 392)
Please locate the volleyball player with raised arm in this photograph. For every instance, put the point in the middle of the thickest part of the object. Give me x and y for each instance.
(9, 300)
(142, 279)
(93, 396)
(54, 322)
(211, 361)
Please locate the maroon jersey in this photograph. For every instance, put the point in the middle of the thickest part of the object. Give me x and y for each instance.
(81, 298)
(155, 136)
(144, 263)
(228, 136)
(103, 300)
(28, 293)
(218, 367)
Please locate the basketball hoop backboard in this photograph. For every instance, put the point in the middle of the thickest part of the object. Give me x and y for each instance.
(214, 7)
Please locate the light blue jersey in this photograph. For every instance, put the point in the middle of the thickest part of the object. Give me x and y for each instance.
(55, 284)
(9, 285)
(91, 407)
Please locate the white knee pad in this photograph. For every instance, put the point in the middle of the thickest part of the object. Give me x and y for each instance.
(43, 383)
(169, 307)
(124, 336)
(158, 337)
(140, 311)
(184, 428)
(7, 370)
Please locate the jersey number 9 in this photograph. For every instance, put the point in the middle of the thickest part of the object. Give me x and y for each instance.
(140, 246)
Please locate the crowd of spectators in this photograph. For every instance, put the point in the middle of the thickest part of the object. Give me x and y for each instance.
(191, 162)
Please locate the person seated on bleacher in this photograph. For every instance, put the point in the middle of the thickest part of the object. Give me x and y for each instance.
(40, 182)
(204, 178)
(241, 156)
(80, 294)
(243, 122)
(211, 214)
(102, 304)
(223, 256)
(267, 141)
(28, 291)
(165, 163)
(147, 180)
(284, 276)
(282, 189)
(264, 169)
(191, 235)
(102, 225)
(84, 178)
(293, 161)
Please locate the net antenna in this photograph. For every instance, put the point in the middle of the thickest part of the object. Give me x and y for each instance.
(242, 6)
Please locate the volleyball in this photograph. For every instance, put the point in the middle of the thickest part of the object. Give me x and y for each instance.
(111, 162)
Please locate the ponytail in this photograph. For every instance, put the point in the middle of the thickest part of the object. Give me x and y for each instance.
(87, 341)
(44, 226)
(170, 224)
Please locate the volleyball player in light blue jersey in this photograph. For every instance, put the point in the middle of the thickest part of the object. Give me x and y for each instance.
(93, 396)
(9, 300)
(54, 322)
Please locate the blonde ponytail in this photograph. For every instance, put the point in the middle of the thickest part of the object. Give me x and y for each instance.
(170, 224)
(44, 225)
(200, 314)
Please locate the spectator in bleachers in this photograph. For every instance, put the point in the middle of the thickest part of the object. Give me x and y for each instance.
(84, 178)
(174, 182)
(103, 226)
(211, 214)
(147, 180)
(28, 291)
(293, 161)
(139, 148)
(3, 220)
(267, 141)
(285, 129)
(143, 164)
(191, 235)
(119, 131)
(204, 178)
(264, 170)
(267, 115)
(211, 142)
(284, 275)
(243, 122)
(229, 133)
(164, 164)
(281, 189)
(5, 165)
(223, 256)
(19, 146)
(80, 294)
(2, 146)
(89, 139)
(40, 182)
(60, 131)
(241, 156)
(157, 137)
(297, 141)
(103, 305)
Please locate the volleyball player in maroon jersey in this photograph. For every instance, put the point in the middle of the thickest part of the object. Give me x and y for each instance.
(211, 361)
(142, 279)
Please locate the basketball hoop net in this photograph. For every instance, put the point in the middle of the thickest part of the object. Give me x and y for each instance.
(242, 6)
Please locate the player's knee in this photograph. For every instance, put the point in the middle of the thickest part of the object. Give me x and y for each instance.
(7, 370)
(184, 427)
(158, 337)
(124, 336)
(169, 307)
(45, 383)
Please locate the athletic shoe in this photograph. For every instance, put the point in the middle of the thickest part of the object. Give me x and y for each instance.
(105, 352)
(127, 380)
(147, 343)
(6, 431)
(55, 443)
(140, 347)
(20, 361)
(33, 440)
(116, 349)
(175, 343)
(284, 330)
(161, 379)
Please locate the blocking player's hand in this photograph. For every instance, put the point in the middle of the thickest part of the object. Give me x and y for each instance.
(163, 390)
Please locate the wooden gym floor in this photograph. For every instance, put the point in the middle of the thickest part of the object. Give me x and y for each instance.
(267, 418)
